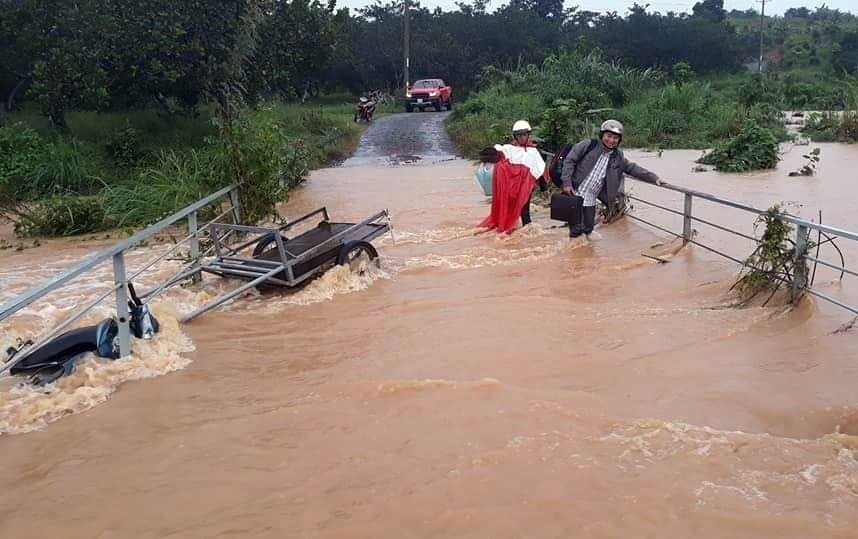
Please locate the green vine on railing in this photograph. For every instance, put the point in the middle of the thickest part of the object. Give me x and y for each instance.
(773, 263)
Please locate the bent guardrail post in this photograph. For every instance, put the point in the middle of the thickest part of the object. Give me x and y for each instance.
(38, 291)
(226, 297)
(122, 313)
(686, 219)
(233, 199)
(799, 278)
(194, 245)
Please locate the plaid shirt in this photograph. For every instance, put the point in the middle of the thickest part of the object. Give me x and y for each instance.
(592, 184)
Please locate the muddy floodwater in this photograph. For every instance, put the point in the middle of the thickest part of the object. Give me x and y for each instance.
(519, 386)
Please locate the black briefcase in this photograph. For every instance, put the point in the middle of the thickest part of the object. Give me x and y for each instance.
(566, 207)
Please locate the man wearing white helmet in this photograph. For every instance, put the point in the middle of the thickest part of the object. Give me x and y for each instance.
(519, 168)
(593, 170)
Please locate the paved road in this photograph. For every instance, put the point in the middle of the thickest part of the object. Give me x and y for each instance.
(404, 139)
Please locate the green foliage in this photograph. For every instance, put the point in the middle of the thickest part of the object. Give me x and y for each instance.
(692, 115)
(555, 97)
(681, 73)
(252, 154)
(21, 151)
(756, 90)
(124, 146)
(570, 94)
(271, 148)
(773, 261)
(174, 180)
(754, 148)
(69, 167)
(31, 168)
(286, 59)
(62, 215)
(474, 128)
(65, 44)
(557, 121)
(832, 126)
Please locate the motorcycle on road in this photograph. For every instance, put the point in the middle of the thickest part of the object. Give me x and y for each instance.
(364, 110)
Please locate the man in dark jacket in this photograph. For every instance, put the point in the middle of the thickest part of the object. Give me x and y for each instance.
(598, 174)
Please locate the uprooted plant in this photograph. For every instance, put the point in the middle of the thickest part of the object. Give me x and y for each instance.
(773, 263)
(621, 206)
(809, 167)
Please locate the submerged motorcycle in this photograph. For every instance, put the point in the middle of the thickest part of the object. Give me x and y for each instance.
(59, 357)
(364, 110)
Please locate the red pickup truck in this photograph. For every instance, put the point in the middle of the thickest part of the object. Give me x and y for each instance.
(428, 93)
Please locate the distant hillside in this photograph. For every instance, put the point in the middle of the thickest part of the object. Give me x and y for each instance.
(823, 38)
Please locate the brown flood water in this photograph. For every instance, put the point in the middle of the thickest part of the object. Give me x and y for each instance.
(473, 386)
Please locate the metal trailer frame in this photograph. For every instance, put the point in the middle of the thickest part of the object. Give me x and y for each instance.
(290, 261)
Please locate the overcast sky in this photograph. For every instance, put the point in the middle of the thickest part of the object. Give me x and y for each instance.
(776, 7)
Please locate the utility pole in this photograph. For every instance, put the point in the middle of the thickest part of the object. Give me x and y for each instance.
(762, 18)
(406, 21)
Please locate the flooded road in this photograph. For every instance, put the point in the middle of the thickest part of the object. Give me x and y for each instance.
(472, 386)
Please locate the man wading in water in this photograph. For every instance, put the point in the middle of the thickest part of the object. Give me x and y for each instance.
(594, 175)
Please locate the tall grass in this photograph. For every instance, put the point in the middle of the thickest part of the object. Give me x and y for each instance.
(143, 165)
(159, 129)
(688, 116)
(837, 126)
(176, 179)
(487, 117)
(569, 95)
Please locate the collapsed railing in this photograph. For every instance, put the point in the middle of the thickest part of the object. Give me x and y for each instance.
(121, 278)
(801, 282)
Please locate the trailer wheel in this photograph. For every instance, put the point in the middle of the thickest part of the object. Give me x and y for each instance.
(266, 243)
(353, 251)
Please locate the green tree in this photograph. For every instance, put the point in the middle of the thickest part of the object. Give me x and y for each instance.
(61, 40)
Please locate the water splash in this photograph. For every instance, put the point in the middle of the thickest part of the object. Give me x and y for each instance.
(25, 408)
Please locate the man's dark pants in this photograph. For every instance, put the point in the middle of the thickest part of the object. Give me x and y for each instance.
(585, 224)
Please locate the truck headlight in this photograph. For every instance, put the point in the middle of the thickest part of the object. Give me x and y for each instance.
(407, 94)
(433, 94)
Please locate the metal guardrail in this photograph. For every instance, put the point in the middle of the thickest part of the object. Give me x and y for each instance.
(803, 228)
(120, 276)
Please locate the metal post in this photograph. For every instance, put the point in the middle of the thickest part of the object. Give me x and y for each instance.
(122, 313)
(406, 14)
(194, 243)
(799, 278)
(762, 21)
(686, 219)
(233, 198)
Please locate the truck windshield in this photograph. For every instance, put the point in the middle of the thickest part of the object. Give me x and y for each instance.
(426, 84)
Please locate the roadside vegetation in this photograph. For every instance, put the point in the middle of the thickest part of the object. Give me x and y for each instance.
(128, 170)
(116, 113)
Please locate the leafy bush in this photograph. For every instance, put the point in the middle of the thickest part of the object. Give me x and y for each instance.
(754, 148)
(31, 168)
(21, 152)
(557, 121)
(124, 146)
(252, 154)
(63, 215)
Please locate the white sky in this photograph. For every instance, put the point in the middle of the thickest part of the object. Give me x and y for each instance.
(774, 7)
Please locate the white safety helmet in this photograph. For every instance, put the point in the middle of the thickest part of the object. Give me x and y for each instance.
(612, 126)
(521, 127)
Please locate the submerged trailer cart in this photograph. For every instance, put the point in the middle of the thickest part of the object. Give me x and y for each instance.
(272, 257)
